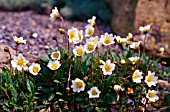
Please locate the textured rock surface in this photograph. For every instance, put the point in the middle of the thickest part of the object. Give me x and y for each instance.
(128, 15)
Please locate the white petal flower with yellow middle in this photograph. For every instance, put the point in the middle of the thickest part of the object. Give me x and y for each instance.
(134, 60)
(55, 14)
(108, 67)
(34, 68)
(95, 40)
(145, 29)
(92, 21)
(94, 92)
(120, 40)
(78, 50)
(80, 37)
(151, 79)
(19, 62)
(137, 76)
(152, 95)
(73, 35)
(135, 45)
(54, 65)
(78, 85)
(107, 39)
(117, 88)
(56, 55)
(19, 40)
(130, 36)
(89, 47)
(89, 30)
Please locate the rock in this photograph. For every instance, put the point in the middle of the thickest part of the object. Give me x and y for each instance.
(130, 14)
(123, 15)
(5, 57)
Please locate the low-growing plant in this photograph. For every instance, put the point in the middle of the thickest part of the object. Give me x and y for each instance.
(91, 77)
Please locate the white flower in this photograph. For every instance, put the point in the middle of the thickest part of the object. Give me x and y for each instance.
(19, 62)
(54, 65)
(19, 40)
(151, 79)
(135, 45)
(80, 36)
(55, 14)
(56, 55)
(78, 85)
(78, 50)
(92, 21)
(34, 68)
(73, 34)
(151, 95)
(89, 31)
(137, 76)
(117, 88)
(130, 36)
(89, 47)
(107, 39)
(145, 29)
(95, 40)
(107, 67)
(94, 92)
(120, 40)
(134, 60)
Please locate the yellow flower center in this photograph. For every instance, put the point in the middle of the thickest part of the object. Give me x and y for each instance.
(56, 55)
(18, 40)
(134, 61)
(90, 31)
(21, 61)
(35, 69)
(54, 66)
(80, 36)
(107, 40)
(107, 68)
(94, 41)
(151, 94)
(149, 79)
(90, 47)
(79, 51)
(135, 75)
(56, 15)
(94, 92)
(79, 84)
(72, 35)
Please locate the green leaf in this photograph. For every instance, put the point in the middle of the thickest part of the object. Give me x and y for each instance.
(109, 80)
(7, 77)
(30, 86)
(84, 65)
(109, 98)
(13, 91)
(79, 99)
(59, 93)
(60, 100)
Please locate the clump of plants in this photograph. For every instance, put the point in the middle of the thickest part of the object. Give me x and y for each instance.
(87, 74)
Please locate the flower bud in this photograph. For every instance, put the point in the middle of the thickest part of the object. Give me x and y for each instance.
(61, 31)
(122, 61)
(101, 62)
(161, 50)
(117, 88)
(163, 63)
(130, 91)
(6, 49)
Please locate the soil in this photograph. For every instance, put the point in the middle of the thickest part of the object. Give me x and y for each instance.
(37, 29)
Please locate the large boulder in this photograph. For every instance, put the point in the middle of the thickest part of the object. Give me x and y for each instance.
(123, 15)
(128, 15)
